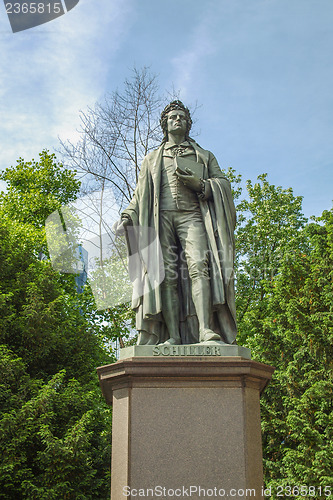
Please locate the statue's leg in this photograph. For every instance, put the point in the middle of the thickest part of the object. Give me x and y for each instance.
(146, 338)
(170, 305)
(201, 295)
(169, 291)
(192, 235)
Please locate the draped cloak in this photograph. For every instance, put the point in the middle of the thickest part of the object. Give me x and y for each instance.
(219, 217)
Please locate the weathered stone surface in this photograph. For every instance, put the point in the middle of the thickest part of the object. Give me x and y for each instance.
(185, 350)
(185, 421)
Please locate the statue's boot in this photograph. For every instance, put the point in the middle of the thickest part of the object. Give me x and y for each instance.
(170, 309)
(201, 295)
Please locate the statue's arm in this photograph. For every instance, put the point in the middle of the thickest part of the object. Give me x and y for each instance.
(214, 172)
(220, 184)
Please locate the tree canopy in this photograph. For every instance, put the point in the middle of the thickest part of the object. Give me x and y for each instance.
(54, 425)
(285, 312)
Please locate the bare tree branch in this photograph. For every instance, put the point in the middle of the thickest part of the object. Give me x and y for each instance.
(116, 135)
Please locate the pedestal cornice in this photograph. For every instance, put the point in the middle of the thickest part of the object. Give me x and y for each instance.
(179, 371)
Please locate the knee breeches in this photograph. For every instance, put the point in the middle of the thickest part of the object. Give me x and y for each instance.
(189, 229)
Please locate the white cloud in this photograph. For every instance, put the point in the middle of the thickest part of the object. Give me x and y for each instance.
(49, 73)
(3, 186)
(187, 66)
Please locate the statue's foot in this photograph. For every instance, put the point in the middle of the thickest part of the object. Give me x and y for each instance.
(172, 341)
(208, 336)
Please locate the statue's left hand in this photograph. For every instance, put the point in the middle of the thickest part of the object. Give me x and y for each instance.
(190, 180)
(119, 227)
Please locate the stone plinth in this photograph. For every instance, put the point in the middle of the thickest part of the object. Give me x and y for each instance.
(163, 350)
(185, 421)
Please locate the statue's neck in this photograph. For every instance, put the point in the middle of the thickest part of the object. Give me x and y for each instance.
(176, 139)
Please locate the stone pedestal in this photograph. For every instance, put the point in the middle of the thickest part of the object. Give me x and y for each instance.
(181, 423)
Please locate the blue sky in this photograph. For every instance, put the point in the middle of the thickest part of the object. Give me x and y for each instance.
(261, 71)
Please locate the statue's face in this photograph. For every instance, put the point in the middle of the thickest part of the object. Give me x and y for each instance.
(177, 122)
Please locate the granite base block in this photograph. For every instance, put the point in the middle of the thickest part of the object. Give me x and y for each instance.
(182, 422)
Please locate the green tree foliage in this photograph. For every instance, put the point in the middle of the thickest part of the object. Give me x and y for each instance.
(37, 188)
(285, 311)
(300, 321)
(54, 437)
(269, 223)
(54, 425)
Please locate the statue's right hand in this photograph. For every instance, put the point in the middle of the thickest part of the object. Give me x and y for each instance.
(120, 226)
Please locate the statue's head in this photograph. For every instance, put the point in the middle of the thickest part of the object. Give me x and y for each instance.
(174, 105)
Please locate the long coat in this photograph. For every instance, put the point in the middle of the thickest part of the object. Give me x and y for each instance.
(219, 217)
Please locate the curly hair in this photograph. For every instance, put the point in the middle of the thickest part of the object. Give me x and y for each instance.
(164, 118)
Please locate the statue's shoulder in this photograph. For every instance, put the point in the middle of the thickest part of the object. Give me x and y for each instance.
(203, 152)
(151, 157)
